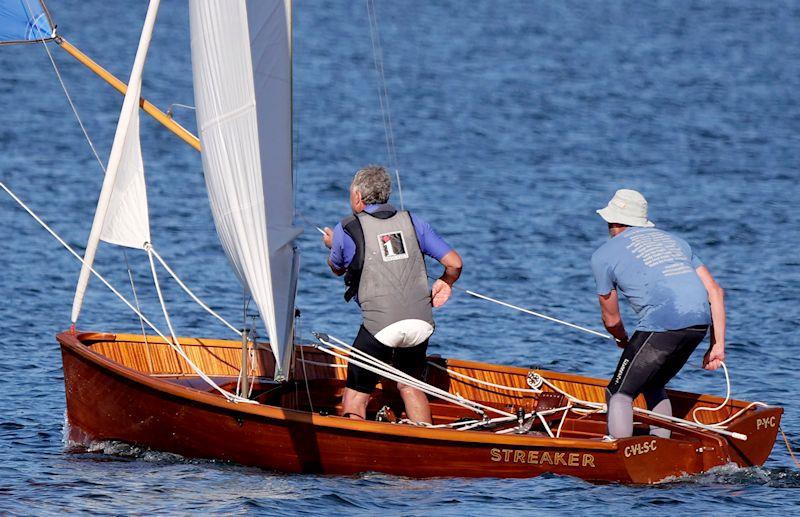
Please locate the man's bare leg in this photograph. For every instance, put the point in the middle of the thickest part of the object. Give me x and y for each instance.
(417, 407)
(354, 404)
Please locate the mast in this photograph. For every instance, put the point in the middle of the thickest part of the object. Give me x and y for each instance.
(118, 149)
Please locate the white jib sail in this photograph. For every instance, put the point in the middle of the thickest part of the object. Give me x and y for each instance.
(121, 215)
(241, 59)
(127, 222)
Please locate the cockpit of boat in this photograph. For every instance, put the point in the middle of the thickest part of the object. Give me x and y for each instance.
(319, 379)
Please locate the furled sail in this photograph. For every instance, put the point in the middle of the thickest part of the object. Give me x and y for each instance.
(25, 21)
(241, 59)
(121, 216)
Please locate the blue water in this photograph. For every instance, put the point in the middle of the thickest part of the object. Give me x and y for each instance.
(514, 121)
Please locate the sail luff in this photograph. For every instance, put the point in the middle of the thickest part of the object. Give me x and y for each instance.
(129, 110)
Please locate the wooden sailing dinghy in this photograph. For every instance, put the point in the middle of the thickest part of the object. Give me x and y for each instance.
(276, 405)
(135, 390)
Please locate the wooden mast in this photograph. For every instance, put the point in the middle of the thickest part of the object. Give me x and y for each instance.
(121, 87)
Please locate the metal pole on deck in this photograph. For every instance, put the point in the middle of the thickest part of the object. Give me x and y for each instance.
(244, 381)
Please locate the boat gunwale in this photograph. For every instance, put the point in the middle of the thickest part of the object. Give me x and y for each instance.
(73, 342)
(99, 337)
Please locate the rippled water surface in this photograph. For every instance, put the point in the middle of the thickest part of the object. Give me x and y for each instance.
(514, 120)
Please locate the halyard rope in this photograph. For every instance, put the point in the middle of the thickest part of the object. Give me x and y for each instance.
(383, 94)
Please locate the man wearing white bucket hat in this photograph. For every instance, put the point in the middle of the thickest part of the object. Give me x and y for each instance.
(674, 297)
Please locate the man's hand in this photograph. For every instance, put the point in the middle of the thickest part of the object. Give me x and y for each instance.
(714, 357)
(622, 343)
(440, 292)
(327, 239)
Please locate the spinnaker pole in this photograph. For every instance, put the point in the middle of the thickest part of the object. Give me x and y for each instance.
(164, 119)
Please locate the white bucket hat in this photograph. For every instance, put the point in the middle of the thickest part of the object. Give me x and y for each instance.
(627, 207)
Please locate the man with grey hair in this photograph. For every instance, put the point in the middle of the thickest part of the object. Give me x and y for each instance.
(379, 250)
(675, 298)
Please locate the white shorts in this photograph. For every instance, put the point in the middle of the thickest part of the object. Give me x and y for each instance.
(405, 333)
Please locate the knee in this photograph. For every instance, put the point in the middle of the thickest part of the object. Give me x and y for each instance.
(405, 389)
(654, 397)
(620, 398)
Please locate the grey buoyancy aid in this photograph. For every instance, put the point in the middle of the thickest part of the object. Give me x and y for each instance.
(388, 270)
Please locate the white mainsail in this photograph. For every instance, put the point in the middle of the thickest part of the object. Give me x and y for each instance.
(241, 59)
(121, 216)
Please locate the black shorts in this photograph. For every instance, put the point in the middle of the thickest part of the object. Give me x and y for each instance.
(411, 360)
(651, 359)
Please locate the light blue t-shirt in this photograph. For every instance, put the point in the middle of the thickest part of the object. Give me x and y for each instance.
(655, 271)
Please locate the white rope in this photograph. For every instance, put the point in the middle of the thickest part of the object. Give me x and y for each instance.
(724, 423)
(563, 419)
(484, 383)
(368, 362)
(317, 363)
(422, 387)
(149, 250)
(383, 94)
(537, 314)
(192, 295)
(680, 421)
(136, 300)
(407, 379)
(105, 282)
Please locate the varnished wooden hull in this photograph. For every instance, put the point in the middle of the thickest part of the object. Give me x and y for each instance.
(109, 401)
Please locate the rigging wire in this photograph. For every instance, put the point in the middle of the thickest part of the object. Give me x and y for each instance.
(229, 396)
(191, 294)
(71, 103)
(138, 308)
(533, 313)
(383, 94)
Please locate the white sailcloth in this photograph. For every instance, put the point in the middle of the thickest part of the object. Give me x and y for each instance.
(121, 216)
(241, 59)
(127, 222)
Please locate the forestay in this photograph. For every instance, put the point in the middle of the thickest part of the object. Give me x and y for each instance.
(24, 21)
(241, 59)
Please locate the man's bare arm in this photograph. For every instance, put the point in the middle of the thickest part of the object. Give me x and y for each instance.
(612, 320)
(716, 297)
(441, 290)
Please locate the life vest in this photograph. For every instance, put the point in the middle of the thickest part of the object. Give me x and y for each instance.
(388, 269)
